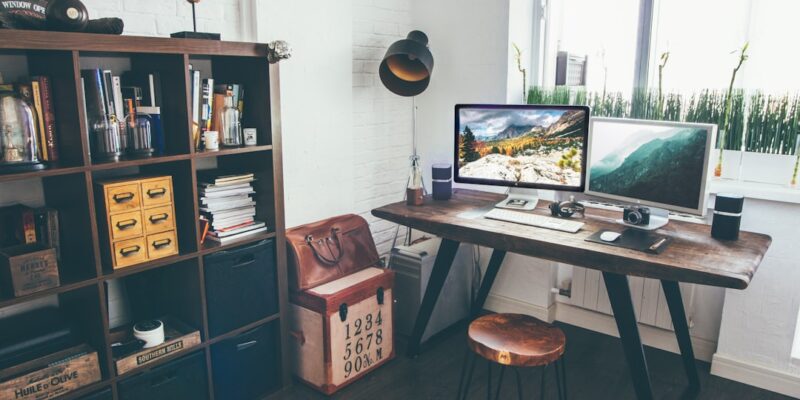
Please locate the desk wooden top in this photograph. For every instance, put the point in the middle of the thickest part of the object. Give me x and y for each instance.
(693, 256)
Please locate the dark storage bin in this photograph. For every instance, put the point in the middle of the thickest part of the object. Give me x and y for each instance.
(184, 378)
(247, 366)
(241, 287)
(101, 395)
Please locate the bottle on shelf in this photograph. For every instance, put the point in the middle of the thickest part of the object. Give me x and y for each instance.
(231, 125)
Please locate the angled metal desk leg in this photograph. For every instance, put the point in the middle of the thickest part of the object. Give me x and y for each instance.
(619, 293)
(441, 267)
(488, 280)
(672, 292)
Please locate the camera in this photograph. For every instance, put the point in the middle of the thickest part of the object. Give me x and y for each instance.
(636, 215)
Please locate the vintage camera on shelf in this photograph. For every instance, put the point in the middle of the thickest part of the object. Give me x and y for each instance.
(635, 215)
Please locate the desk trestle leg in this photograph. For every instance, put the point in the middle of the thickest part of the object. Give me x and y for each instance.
(619, 294)
(441, 267)
(488, 280)
(672, 292)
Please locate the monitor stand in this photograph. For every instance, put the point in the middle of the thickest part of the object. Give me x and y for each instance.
(659, 218)
(520, 199)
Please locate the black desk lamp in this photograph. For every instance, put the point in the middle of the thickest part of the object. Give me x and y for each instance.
(406, 71)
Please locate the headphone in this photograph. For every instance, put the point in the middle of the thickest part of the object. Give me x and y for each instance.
(566, 209)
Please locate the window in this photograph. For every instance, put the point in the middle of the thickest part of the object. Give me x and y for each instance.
(624, 42)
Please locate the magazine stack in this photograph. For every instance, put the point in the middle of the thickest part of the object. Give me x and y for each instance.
(227, 207)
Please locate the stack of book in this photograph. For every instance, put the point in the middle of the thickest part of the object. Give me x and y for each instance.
(227, 207)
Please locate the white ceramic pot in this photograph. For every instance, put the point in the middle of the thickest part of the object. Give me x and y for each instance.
(767, 168)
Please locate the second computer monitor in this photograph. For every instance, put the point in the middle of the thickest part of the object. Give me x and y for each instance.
(659, 164)
(527, 146)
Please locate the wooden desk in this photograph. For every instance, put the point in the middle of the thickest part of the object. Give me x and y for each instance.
(693, 257)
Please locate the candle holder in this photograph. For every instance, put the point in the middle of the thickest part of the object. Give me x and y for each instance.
(195, 34)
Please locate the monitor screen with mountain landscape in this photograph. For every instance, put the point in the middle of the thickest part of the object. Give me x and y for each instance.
(525, 146)
(655, 163)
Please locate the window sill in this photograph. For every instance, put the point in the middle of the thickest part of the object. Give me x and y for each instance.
(754, 190)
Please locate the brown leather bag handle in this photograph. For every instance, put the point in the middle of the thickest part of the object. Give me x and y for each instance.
(337, 255)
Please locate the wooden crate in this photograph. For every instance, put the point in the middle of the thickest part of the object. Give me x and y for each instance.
(51, 376)
(138, 219)
(27, 269)
(178, 337)
(342, 329)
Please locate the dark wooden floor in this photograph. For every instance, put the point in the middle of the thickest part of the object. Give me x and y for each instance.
(596, 369)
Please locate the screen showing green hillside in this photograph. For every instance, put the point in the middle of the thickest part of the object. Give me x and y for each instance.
(531, 146)
(650, 162)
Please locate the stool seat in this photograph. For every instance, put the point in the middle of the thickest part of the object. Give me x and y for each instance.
(516, 340)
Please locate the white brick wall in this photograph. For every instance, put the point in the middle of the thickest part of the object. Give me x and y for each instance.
(162, 17)
(382, 124)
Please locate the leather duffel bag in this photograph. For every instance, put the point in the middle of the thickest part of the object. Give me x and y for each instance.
(327, 250)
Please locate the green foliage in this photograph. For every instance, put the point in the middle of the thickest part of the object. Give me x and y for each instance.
(495, 150)
(467, 151)
(557, 95)
(568, 160)
(772, 124)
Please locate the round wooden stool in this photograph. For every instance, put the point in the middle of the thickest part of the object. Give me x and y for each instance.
(517, 341)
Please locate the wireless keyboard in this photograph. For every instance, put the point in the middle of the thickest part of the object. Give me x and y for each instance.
(540, 221)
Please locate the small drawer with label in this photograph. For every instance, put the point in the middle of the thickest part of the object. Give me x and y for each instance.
(159, 219)
(129, 252)
(126, 225)
(161, 245)
(123, 198)
(156, 191)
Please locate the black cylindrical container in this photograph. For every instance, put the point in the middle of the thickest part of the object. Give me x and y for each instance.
(727, 216)
(442, 181)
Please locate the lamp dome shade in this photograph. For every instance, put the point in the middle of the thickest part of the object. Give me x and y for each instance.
(407, 66)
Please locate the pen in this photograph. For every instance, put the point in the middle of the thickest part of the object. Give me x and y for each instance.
(657, 244)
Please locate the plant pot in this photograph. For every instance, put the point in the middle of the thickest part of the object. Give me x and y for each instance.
(767, 168)
(731, 163)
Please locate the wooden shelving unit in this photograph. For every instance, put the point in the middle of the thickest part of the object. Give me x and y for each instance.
(68, 186)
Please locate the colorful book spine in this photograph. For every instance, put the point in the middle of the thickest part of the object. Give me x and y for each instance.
(49, 114)
(41, 130)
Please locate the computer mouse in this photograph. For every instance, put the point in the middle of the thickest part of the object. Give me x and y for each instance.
(609, 236)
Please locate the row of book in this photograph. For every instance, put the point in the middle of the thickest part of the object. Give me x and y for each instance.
(227, 207)
(120, 97)
(208, 102)
(20, 225)
(38, 93)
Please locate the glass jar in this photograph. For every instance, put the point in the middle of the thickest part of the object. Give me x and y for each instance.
(415, 192)
(19, 149)
(141, 139)
(231, 125)
(105, 132)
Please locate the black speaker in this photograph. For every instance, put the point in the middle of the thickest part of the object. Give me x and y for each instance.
(442, 181)
(727, 216)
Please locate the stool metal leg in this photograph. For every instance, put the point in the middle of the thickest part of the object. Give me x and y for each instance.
(562, 364)
(500, 382)
(468, 382)
(519, 383)
(541, 392)
(489, 380)
(464, 368)
(559, 380)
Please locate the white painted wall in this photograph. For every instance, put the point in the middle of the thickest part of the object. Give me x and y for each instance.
(316, 86)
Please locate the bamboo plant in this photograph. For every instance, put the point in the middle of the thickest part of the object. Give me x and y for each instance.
(523, 71)
(728, 105)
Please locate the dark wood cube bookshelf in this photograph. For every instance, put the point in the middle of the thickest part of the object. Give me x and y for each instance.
(174, 285)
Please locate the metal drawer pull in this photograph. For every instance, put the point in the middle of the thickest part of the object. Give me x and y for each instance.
(245, 261)
(156, 192)
(123, 197)
(159, 218)
(126, 224)
(246, 345)
(129, 251)
(162, 243)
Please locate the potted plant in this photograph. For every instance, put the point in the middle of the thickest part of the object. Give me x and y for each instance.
(772, 123)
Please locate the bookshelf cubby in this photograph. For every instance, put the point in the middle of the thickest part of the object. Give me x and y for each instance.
(174, 285)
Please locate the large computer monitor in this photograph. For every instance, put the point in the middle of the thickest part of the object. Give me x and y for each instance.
(521, 146)
(652, 163)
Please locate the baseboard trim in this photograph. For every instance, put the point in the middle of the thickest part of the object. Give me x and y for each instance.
(651, 336)
(499, 303)
(756, 375)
